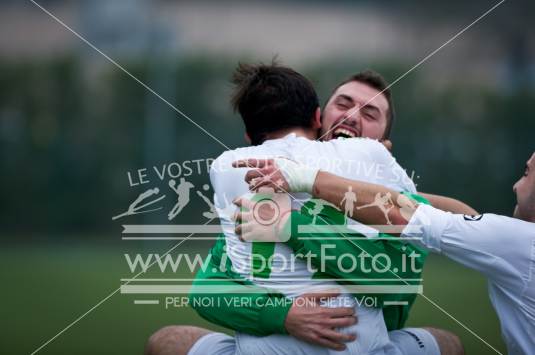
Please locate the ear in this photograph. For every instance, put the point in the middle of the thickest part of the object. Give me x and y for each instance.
(387, 143)
(247, 138)
(316, 120)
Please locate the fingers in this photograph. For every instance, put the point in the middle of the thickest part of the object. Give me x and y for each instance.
(241, 219)
(245, 203)
(256, 185)
(245, 231)
(254, 174)
(340, 311)
(336, 336)
(260, 175)
(340, 322)
(237, 216)
(243, 228)
(252, 163)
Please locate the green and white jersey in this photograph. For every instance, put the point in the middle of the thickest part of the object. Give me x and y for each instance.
(273, 265)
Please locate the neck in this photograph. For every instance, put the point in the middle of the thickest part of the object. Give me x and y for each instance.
(527, 214)
(300, 132)
(530, 207)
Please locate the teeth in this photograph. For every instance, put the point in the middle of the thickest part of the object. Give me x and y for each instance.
(343, 131)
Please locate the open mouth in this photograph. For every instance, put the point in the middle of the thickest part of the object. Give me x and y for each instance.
(341, 132)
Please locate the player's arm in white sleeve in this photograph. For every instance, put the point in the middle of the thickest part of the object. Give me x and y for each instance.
(448, 204)
(498, 246)
(494, 245)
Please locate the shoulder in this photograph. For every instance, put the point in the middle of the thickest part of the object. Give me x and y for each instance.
(220, 163)
(368, 148)
(225, 159)
(221, 167)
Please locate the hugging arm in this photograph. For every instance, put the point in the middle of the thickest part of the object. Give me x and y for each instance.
(340, 252)
(398, 208)
(228, 300)
(375, 205)
(296, 177)
(260, 311)
(448, 204)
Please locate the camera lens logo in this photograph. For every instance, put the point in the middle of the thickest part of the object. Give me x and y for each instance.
(266, 212)
(264, 222)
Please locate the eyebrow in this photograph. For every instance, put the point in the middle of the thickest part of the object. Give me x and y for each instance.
(350, 99)
(371, 107)
(345, 97)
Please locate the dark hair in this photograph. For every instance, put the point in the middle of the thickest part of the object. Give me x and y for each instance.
(375, 80)
(272, 97)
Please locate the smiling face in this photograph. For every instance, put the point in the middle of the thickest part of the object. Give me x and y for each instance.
(370, 121)
(525, 193)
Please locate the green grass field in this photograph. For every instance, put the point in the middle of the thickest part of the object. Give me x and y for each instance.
(47, 288)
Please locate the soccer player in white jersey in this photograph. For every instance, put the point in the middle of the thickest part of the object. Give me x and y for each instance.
(375, 121)
(501, 248)
(268, 98)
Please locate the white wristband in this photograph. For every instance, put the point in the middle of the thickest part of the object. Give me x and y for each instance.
(300, 177)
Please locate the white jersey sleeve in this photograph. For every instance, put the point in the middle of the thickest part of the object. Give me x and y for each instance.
(499, 247)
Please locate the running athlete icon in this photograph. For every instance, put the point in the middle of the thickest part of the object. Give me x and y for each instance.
(383, 202)
(182, 191)
(350, 198)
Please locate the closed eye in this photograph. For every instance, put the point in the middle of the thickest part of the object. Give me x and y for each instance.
(369, 115)
(344, 102)
(343, 107)
(370, 112)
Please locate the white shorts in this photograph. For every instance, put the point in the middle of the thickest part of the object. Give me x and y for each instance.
(214, 343)
(407, 341)
(410, 341)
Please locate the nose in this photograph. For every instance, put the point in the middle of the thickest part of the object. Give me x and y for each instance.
(352, 116)
(515, 187)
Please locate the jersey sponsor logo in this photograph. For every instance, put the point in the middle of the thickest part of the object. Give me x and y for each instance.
(472, 218)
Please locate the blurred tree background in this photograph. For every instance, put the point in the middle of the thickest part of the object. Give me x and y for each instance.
(69, 138)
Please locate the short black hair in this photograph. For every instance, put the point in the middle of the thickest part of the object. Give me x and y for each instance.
(375, 80)
(270, 97)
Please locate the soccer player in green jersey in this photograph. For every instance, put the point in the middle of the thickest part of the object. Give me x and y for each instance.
(374, 118)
